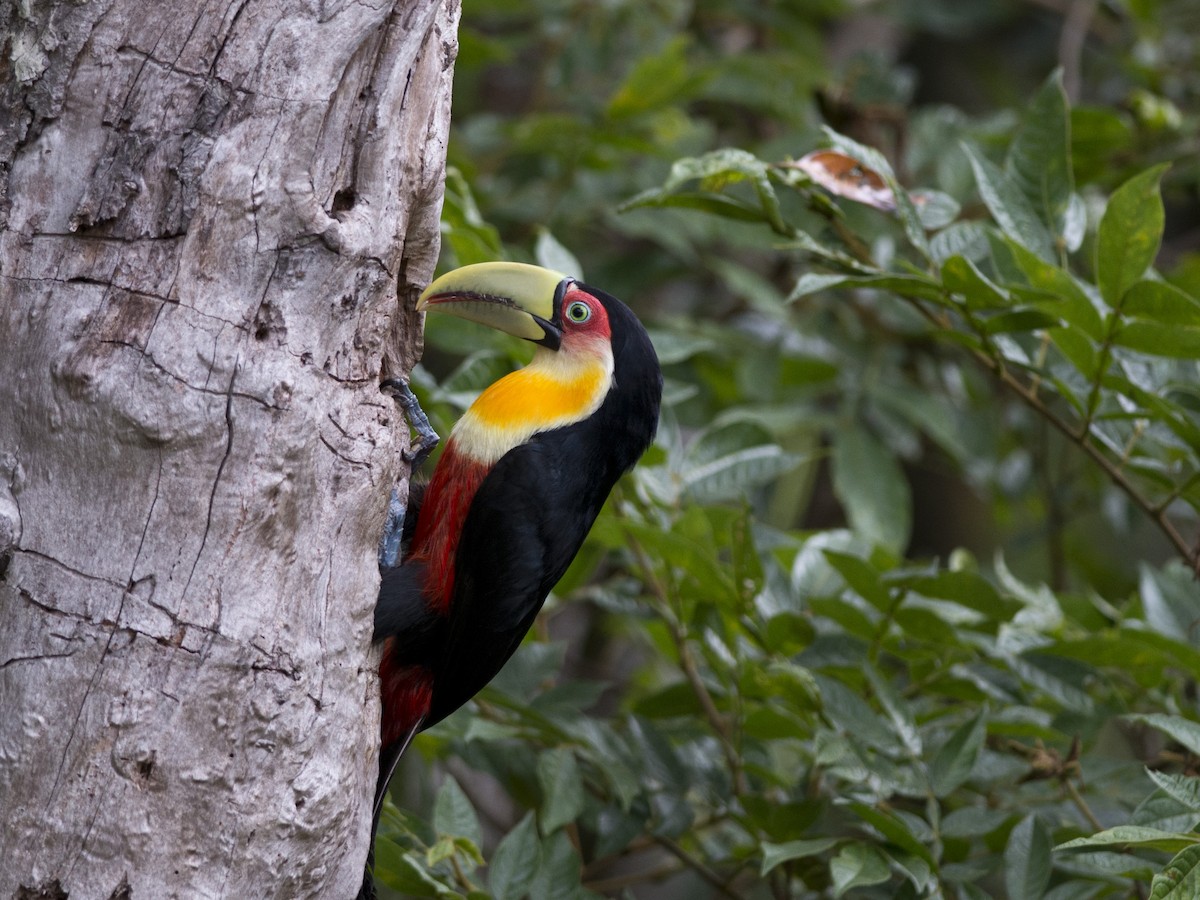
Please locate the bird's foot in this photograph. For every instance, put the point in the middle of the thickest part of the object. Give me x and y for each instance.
(393, 531)
(420, 448)
(427, 439)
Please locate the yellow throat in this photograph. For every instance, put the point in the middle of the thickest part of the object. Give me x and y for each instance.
(557, 388)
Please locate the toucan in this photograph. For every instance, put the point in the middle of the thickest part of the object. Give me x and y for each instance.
(517, 487)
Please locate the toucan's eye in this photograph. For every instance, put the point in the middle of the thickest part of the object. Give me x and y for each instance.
(579, 312)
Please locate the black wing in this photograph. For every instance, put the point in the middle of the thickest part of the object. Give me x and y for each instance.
(526, 524)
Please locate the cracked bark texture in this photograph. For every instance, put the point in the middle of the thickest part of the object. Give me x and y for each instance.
(214, 219)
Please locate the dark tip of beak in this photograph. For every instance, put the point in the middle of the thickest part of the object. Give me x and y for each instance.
(552, 337)
(553, 328)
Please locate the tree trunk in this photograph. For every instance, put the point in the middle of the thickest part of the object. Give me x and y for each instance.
(215, 217)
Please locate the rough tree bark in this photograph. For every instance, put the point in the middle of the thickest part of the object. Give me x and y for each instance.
(215, 216)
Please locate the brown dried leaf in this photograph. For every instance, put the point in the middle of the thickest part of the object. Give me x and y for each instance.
(845, 176)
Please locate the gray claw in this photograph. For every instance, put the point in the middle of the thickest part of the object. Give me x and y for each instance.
(426, 440)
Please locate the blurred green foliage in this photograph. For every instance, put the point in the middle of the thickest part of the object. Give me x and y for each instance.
(902, 603)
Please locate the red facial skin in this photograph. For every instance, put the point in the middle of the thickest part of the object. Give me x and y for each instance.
(575, 334)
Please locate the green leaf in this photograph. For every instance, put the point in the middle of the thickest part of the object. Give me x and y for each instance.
(1183, 788)
(1106, 865)
(550, 254)
(926, 411)
(1078, 350)
(655, 81)
(969, 589)
(1129, 235)
(862, 577)
(1155, 339)
(558, 875)
(1009, 207)
(1019, 320)
(957, 757)
(719, 169)
(693, 557)
(852, 714)
(405, 872)
(850, 616)
(935, 209)
(675, 346)
(660, 761)
(730, 476)
(1134, 836)
(835, 258)
(961, 276)
(702, 201)
(916, 869)
(673, 814)
(857, 865)
(973, 821)
(1169, 413)
(1073, 224)
(453, 813)
(898, 710)
(1162, 811)
(1144, 654)
(562, 788)
(970, 891)
(1180, 880)
(614, 829)
(788, 632)
(966, 239)
(1169, 600)
(905, 285)
(515, 862)
(470, 238)
(440, 851)
(894, 829)
(872, 488)
(769, 723)
(1061, 294)
(1039, 158)
(775, 854)
(815, 282)
(608, 754)
(1185, 731)
(1160, 302)
(1072, 890)
(1027, 859)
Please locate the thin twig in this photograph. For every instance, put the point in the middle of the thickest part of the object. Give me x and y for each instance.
(897, 599)
(1082, 804)
(698, 867)
(1076, 22)
(1178, 491)
(1118, 477)
(715, 720)
(460, 876)
(1056, 516)
(615, 883)
(692, 672)
(1082, 440)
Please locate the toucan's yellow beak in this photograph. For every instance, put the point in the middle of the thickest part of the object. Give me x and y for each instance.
(516, 298)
